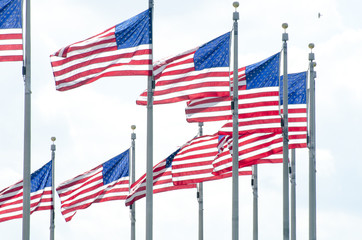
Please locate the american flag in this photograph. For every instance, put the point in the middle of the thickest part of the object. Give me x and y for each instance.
(122, 50)
(11, 38)
(297, 112)
(193, 164)
(253, 149)
(197, 73)
(162, 181)
(106, 182)
(11, 198)
(258, 100)
(297, 109)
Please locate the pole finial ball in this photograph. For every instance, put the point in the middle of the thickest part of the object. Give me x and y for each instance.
(235, 4)
(311, 45)
(133, 127)
(314, 64)
(285, 25)
(53, 139)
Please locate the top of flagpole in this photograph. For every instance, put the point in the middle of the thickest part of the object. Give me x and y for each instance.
(236, 13)
(235, 5)
(311, 54)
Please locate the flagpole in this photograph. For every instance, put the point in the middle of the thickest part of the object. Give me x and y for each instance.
(149, 172)
(254, 184)
(52, 213)
(27, 127)
(293, 215)
(200, 197)
(133, 179)
(234, 106)
(312, 149)
(285, 137)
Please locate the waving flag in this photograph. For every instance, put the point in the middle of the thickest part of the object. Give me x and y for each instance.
(193, 163)
(11, 198)
(122, 50)
(197, 73)
(11, 38)
(253, 149)
(162, 181)
(258, 101)
(297, 109)
(106, 182)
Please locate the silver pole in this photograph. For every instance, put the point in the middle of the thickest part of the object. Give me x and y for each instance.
(312, 150)
(234, 106)
(149, 172)
(200, 198)
(285, 138)
(293, 215)
(133, 179)
(52, 213)
(27, 128)
(254, 184)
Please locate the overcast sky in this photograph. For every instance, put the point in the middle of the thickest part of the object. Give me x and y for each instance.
(92, 123)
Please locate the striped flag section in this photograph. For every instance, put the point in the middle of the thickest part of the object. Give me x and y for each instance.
(193, 163)
(297, 109)
(258, 100)
(11, 38)
(297, 112)
(253, 149)
(162, 181)
(122, 50)
(106, 182)
(197, 73)
(11, 198)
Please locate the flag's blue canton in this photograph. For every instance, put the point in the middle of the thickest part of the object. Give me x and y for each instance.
(297, 88)
(170, 158)
(134, 31)
(264, 73)
(116, 168)
(215, 53)
(42, 178)
(10, 14)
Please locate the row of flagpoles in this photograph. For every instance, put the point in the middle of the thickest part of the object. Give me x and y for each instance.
(138, 50)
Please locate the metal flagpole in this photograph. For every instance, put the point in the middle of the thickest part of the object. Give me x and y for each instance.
(200, 198)
(285, 137)
(234, 106)
(133, 179)
(52, 214)
(293, 216)
(254, 184)
(312, 149)
(149, 172)
(27, 127)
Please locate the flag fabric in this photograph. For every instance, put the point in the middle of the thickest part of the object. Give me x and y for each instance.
(11, 37)
(258, 101)
(267, 147)
(297, 109)
(106, 182)
(197, 73)
(11, 198)
(253, 149)
(162, 181)
(193, 163)
(122, 50)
